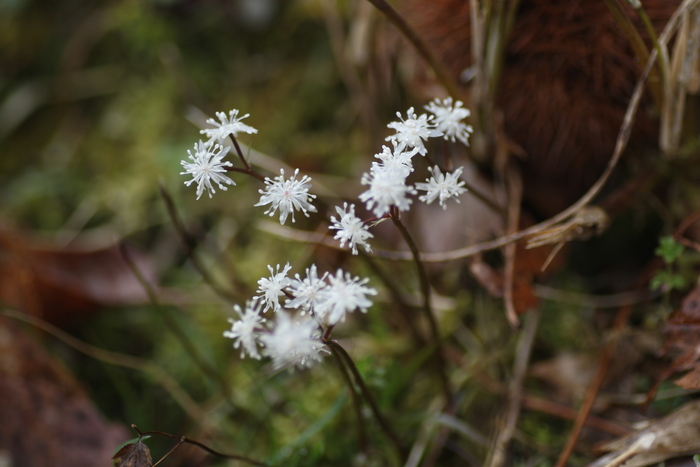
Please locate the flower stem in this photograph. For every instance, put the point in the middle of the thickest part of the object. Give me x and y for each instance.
(427, 307)
(362, 435)
(248, 168)
(347, 360)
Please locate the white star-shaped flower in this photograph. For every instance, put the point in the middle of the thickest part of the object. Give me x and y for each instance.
(229, 126)
(307, 291)
(207, 167)
(448, 119)
(271, 288)
(398, 159)
(387, 188)
(412, 131)
(287, 195)
(293, 343)
(350, 229)
(442, 186)
(344, 294)
(243, 331)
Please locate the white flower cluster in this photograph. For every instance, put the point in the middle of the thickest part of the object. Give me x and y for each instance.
(386, 179)
(296, 341)
(208, 166)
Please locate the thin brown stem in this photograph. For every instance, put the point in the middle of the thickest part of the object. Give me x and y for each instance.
(183, 439)
(402, 453)
(356, 403)
(441, 72)
(175, 328)
(179, 443)
(246, 164)
(427, 305)
(515, 390)
(247, 171)
(407, 310)
(189, 243)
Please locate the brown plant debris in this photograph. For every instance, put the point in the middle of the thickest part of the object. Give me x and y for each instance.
(46, 418)
(133, 455)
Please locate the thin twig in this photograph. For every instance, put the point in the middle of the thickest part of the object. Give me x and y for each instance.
(175, 328)
(188, 243)
(407, 310)
(427, 303)
(183, 439)
(127, 361)
(515, 190)
(421, 47)
(593, 388)
(515, 390)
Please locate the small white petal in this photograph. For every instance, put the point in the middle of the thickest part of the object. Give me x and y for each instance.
(243, 331)
(448, 119)
(293, 343)
(344, 294)
(229, 126)
(287, 196)
(271, 288)
(442, 186)
(306, 292)
(207, 167)
(350, 229)
(387, 187)
(412, 131)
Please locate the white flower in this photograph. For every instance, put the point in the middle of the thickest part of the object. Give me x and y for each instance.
(344, 294)
(442, 186)
(448, 119)
(412, 131)
(207, 167)
(273, 287)
(243, 331)
(386, 188)
(287, 195)
(231, 125)
(350, 228)
(397, 159)
(307, 292)
(293, 343)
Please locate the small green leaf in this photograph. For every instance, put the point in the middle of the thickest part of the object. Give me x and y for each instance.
(658, 281)
(669, 249)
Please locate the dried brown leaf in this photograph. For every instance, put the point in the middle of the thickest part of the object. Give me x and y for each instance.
(682, 334)
(675, 435)
(62, 284)
(46, 416)
(133, 455)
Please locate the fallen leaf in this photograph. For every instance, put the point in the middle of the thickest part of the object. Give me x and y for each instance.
(133, 455)
(46, 418)
(682, 339)
(675, 435)
(63, 284)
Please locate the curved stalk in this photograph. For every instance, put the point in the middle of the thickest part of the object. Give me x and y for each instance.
(427, 306)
